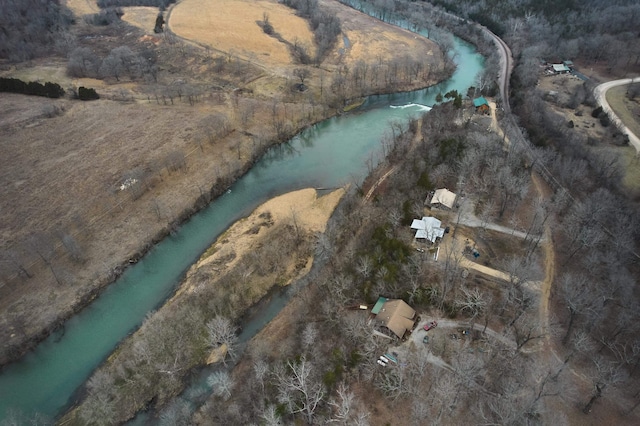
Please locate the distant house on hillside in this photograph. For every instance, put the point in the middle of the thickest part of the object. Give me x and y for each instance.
(481, 105)
(428, 228)
(442, 198)
(395, 315)
(560, 69)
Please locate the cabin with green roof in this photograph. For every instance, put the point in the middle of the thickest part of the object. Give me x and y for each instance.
(481, 105)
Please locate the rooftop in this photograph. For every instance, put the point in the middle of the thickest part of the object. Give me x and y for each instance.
(444, 197)
(428, 228)
(478, 102)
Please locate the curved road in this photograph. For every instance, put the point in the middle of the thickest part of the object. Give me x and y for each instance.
(600, 93)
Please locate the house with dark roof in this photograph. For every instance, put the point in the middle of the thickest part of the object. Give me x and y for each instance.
(395, 315)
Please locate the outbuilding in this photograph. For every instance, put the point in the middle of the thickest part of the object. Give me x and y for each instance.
(443, 198)
(560, 68)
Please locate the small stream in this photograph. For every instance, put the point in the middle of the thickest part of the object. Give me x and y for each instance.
(329, 154)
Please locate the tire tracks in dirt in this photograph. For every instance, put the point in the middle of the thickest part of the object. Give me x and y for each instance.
(549, 262)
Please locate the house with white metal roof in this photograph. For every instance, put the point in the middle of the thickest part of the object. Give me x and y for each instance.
(428, 228)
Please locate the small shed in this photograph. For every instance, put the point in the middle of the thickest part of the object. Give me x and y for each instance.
(560, 68)
(481, 105)
(396, 315)
(443, 198)
(378, 306)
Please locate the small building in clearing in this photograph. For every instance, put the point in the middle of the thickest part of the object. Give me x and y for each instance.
(443, 198)
(428, 228)
(560, 68)
(394, 314)
(481, 105)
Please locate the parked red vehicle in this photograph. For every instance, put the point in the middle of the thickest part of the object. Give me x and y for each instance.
(431, 324)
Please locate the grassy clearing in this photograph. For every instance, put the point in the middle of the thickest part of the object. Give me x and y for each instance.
(82, 7)
(631, 163)
(141, 17)
(628, 111)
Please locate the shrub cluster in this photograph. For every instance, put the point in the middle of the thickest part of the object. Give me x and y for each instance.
(87, 94)
(104, 17)
(14, 85)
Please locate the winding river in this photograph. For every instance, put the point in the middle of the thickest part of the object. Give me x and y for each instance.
(330, 154)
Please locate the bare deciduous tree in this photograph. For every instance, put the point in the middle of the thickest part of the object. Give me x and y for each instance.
(472, 302)
(222, 332)
(299, 389)
(604, 373)
(221, 383)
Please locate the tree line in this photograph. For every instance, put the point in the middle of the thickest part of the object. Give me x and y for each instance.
(15, 85)
(121, 62)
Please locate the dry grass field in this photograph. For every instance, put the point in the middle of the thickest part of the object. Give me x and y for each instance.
(628, 110)
(64, 160)
(141, 17)
(232, 26)
(375, 41)
(631, 162)
(82, 7)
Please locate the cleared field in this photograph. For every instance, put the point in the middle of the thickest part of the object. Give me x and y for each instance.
(627, 110)
(82, 7)
(631, 163)
(141, 17)
(373, 41)
(232, 26)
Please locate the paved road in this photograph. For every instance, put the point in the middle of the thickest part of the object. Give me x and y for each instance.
(600, 93)
(506, 63)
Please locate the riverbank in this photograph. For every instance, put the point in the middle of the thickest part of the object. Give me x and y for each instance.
(271, 247)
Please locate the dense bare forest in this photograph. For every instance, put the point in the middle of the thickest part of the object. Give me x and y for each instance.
(33, 28)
